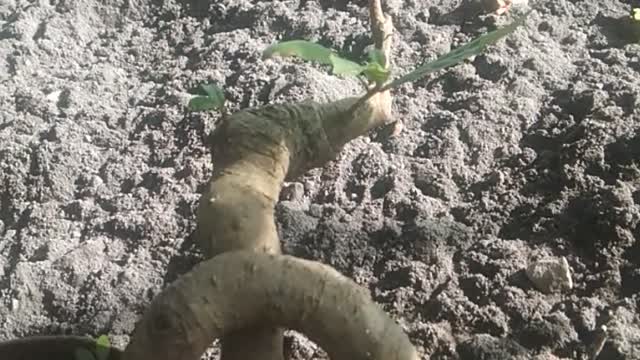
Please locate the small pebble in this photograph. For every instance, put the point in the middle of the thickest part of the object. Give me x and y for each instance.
(15, 304)
(550, 275)
(293, 192)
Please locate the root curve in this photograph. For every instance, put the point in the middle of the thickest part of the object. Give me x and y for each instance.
(181, 322)
(248, 292)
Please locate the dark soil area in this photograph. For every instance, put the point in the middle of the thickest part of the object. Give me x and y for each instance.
(529, 151)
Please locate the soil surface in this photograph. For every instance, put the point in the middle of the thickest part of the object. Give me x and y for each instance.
(529, 151)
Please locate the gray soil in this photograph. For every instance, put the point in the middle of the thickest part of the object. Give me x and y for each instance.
(529, 151)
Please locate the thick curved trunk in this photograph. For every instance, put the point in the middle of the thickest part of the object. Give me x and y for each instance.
(237, 289)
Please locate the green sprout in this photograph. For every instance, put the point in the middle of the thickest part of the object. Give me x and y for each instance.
(102, 350)
(214, 99)
(375, 70)
(635, 14)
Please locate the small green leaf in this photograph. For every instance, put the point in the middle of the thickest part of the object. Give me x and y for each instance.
(635, 14)
(203, 103)
(458, 55)
(377, 56)
(311, 51)
(83, 354)
(103, 340)
(375, 72)
(214, 93)
(303, 49)
(212, 90)
(103, 347)
(343, 66)
(214, 99)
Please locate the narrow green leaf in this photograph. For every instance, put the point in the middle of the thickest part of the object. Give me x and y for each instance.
(203, 103)
(83, 354)
(103, 347)
(303, 49)
(458, 55)
(311, 51)
(343, 66)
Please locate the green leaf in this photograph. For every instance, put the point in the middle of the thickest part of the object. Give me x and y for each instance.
(202, 103)
(375, 72)
(377, 56)
(458, 55)
(83, 354)
(103, 340)
(103, 347)
(212, 90)
(214, 93)
(343, 66)
(213, 100)
(635, 14)
(311, 51)
(303, 49)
